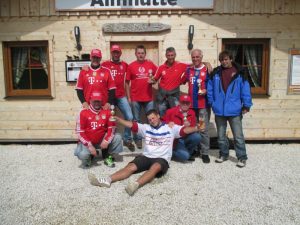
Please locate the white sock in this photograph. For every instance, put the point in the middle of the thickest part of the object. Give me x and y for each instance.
(109, 179)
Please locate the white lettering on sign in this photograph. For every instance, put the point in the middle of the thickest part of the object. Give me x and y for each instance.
(132, 4)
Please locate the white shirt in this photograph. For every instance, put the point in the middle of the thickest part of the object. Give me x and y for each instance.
(159, 141)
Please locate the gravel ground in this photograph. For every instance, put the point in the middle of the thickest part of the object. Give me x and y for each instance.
(44, 184)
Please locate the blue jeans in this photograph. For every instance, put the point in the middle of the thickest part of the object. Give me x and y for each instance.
(83, 153)
(125, 108)
(186, 146)
(235, 123)
(164, 105)
(136, 110)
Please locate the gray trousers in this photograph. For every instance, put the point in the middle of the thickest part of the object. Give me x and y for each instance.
(83, 153)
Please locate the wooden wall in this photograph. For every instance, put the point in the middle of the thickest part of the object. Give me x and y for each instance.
(32, 8)
(276, 116)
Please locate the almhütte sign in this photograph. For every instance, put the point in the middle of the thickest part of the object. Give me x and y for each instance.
(65, 5)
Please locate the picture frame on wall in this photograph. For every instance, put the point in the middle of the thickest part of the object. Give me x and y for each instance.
(73, 68)
(294, 71)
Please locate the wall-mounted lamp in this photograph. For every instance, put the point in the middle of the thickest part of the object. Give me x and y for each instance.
(77, 37)
(191, 35)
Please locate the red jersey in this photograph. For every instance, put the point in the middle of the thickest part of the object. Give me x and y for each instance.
(139, 73)
(93, 126)
(118, 71)
(95, 80)
(176, 115)
(196, 77)
(171, 76)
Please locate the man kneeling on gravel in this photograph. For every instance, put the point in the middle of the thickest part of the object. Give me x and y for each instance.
(96, 129)
(156, 155)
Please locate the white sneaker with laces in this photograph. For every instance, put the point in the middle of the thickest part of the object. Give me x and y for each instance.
(132, 187)
(101, 182)
(221, 159)
(241, 163)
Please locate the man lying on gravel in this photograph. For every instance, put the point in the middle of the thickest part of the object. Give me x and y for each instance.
(156, 155)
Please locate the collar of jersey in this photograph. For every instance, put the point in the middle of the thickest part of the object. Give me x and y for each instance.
(117, 63)
(159, 126)
(199, 67)
(94, 110)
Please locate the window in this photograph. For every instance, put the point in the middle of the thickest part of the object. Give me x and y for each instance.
(27, 68)
(253, 56)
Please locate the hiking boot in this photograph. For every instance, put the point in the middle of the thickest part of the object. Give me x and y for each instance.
(101, 182)
(86, 163)
(129, 145)
(205, 159)
(132, 187)
(221, 159)
(192, 158)
(109, 161)
(196, 153)
(241, 163)
(139, 144)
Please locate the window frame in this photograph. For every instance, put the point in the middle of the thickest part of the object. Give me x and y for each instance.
(265, 42)
(10, 91)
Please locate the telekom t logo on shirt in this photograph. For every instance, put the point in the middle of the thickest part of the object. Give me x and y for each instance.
(192, 80)
(91, 80)
(114, 73)
(94, 125)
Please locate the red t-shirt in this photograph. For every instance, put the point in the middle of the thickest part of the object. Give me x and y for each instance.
(175, 115)
(171, 77)
(92, 126)
(118, 71)
(194, 76)
(95, 80)
(138, 74)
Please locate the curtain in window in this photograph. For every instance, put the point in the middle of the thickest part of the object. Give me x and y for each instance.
(19, 63)
(253, 53)
(43, 57)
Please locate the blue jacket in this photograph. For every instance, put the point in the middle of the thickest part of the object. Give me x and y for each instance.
(236, 98)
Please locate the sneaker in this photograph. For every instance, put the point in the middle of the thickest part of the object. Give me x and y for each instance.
(132, 187)
(101, 182)
(129, 145)
(139, 144)
(241, 163)
(109, 161)
(221, 159)
(205, 159)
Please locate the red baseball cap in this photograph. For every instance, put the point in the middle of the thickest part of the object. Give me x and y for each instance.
(96, 53)
(115, 48)
(96, 96)
(185, 98)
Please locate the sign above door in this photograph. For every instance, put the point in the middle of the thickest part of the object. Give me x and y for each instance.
(70, 5)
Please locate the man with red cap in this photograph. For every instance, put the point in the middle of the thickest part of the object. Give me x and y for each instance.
(118, 70)
(182, 115)
(96, 78)
(139, 86)
(96, 129)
